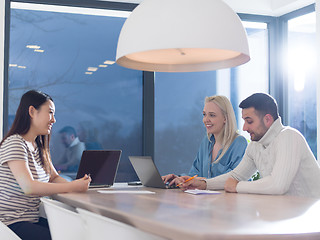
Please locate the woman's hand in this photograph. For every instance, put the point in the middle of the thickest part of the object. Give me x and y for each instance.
(178, 180)
(196, 183)
(81, 184)
(169, 178)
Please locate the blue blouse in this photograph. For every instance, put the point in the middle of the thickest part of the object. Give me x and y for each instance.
(203, 166)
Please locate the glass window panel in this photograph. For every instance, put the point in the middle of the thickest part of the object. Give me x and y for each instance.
(64, 55)
(302, 83)
(253, 76)
(179, 99)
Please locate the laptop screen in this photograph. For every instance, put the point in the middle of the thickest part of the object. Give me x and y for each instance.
(102, 166)
(147, 171)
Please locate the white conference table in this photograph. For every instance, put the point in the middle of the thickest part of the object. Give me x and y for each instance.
(174, 214)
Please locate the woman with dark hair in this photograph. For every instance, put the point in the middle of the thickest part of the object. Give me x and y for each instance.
(26, 170)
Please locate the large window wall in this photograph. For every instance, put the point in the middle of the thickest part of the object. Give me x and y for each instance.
(70, 54)
(71, 57)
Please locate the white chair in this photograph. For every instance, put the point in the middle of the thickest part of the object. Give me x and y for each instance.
(64, 221)
(100, 227)
(42, 212)
(6, 233)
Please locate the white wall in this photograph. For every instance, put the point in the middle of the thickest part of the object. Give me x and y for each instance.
(281, 7)
(267, 7)
(318, 76)
(2, 17)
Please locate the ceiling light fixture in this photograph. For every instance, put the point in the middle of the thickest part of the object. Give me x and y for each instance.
(33, 46)
(182, 36)
(92, 69)
(109, 62)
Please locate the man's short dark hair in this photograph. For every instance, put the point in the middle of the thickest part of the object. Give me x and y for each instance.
(69, 130)
(263, 103)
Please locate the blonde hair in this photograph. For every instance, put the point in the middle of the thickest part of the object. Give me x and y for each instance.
(229, 132)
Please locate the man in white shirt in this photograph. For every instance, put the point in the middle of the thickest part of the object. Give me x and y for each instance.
(70, 160)
(280, 154)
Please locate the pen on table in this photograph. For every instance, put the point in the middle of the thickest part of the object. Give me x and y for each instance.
(190, 178)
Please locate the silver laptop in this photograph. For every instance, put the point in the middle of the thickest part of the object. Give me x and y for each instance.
(102, 166)
(148, 172)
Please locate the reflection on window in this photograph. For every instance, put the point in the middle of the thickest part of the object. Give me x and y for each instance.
(302, 83)
(179, 99)
(71, 57)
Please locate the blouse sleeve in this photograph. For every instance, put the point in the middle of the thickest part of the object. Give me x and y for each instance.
(238, 149)
(196, 165)
(199, 161)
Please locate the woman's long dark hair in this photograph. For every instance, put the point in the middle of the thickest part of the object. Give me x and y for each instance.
(22, 122)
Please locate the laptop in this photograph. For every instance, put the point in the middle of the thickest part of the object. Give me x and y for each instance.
(148, 172)
(102, 166)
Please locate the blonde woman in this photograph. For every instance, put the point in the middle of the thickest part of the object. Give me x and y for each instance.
(223, 148)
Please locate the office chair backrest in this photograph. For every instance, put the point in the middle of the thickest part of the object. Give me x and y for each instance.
(100, 227)
(7, 233)
(64, 221)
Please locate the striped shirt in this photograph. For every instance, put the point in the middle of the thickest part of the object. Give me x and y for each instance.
(15, 206)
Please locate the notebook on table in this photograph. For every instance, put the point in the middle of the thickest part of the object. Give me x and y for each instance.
(148, 172)
(102, 166)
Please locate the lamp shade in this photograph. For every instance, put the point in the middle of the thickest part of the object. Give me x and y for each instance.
(182, 36)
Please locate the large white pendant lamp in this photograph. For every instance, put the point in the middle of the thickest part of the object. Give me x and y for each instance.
(182, 36)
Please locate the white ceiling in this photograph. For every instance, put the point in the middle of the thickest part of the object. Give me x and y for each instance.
(267, 7)
(260, 7)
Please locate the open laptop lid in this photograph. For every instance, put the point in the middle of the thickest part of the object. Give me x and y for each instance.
(147, 171)
(102, 166)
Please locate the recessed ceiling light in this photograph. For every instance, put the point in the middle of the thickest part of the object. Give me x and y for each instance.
(109, 62)
(33, 46)
(13, 65)
(89, 73)
(39, 50)
(103, 66)
(92, 69)
(23, 67)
